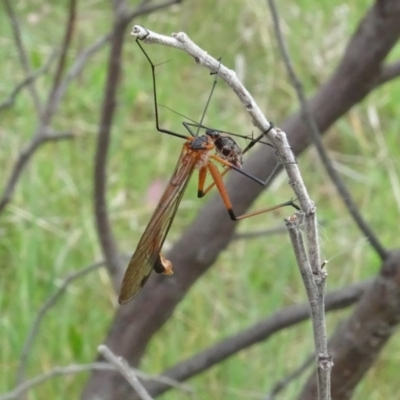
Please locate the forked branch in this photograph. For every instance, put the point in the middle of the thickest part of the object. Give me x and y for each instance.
(309, 262)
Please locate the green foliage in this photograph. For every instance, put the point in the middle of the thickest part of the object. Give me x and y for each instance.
(48, 230)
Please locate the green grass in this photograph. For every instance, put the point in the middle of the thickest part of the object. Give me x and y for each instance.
(48, 229)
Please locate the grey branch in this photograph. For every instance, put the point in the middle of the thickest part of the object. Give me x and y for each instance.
(123, 368)
(314, 282)
(315, 135)
(78, 368)
(309, 262)
(257, 333)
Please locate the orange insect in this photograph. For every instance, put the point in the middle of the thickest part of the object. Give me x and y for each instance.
(199, 152)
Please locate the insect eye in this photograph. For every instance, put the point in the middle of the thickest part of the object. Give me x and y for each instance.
(226, 151)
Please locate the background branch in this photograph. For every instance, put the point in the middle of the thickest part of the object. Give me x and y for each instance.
(315, 135)
(10, 100)
(22, 54)
(103, 225)
(123, 368)
(25, 387)
(42, 133)
(358, 341)
(23, 158)
(257, 333)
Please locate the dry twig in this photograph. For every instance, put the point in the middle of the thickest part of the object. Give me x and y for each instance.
(123, 368)
(25, 387)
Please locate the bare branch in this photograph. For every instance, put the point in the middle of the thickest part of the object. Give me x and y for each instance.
(23, 158)
(42, 133)
(78, 66)
(52, 104)
(257, 333)
(358, 341)
(310, 267)
(76, 369)
(316, 138)
(48, 304)
(56, 371)
(9, 102)
(22, 54)
(315, 285)
(123, 368)
(103, 224)
(85, 55)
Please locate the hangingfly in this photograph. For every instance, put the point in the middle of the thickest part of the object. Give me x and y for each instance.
(200, 152)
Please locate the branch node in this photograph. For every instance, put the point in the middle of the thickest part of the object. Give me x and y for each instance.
(140, 32)
(325, 362)
(312, 209)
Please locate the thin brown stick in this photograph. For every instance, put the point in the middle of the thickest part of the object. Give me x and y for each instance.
(103, 224)
(52, 104)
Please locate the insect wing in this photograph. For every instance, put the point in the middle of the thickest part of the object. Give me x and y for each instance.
(147, 254)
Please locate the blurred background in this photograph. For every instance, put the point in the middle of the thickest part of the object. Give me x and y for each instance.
(47, 230)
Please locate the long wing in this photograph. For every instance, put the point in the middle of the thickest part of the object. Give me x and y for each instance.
(147, 255)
